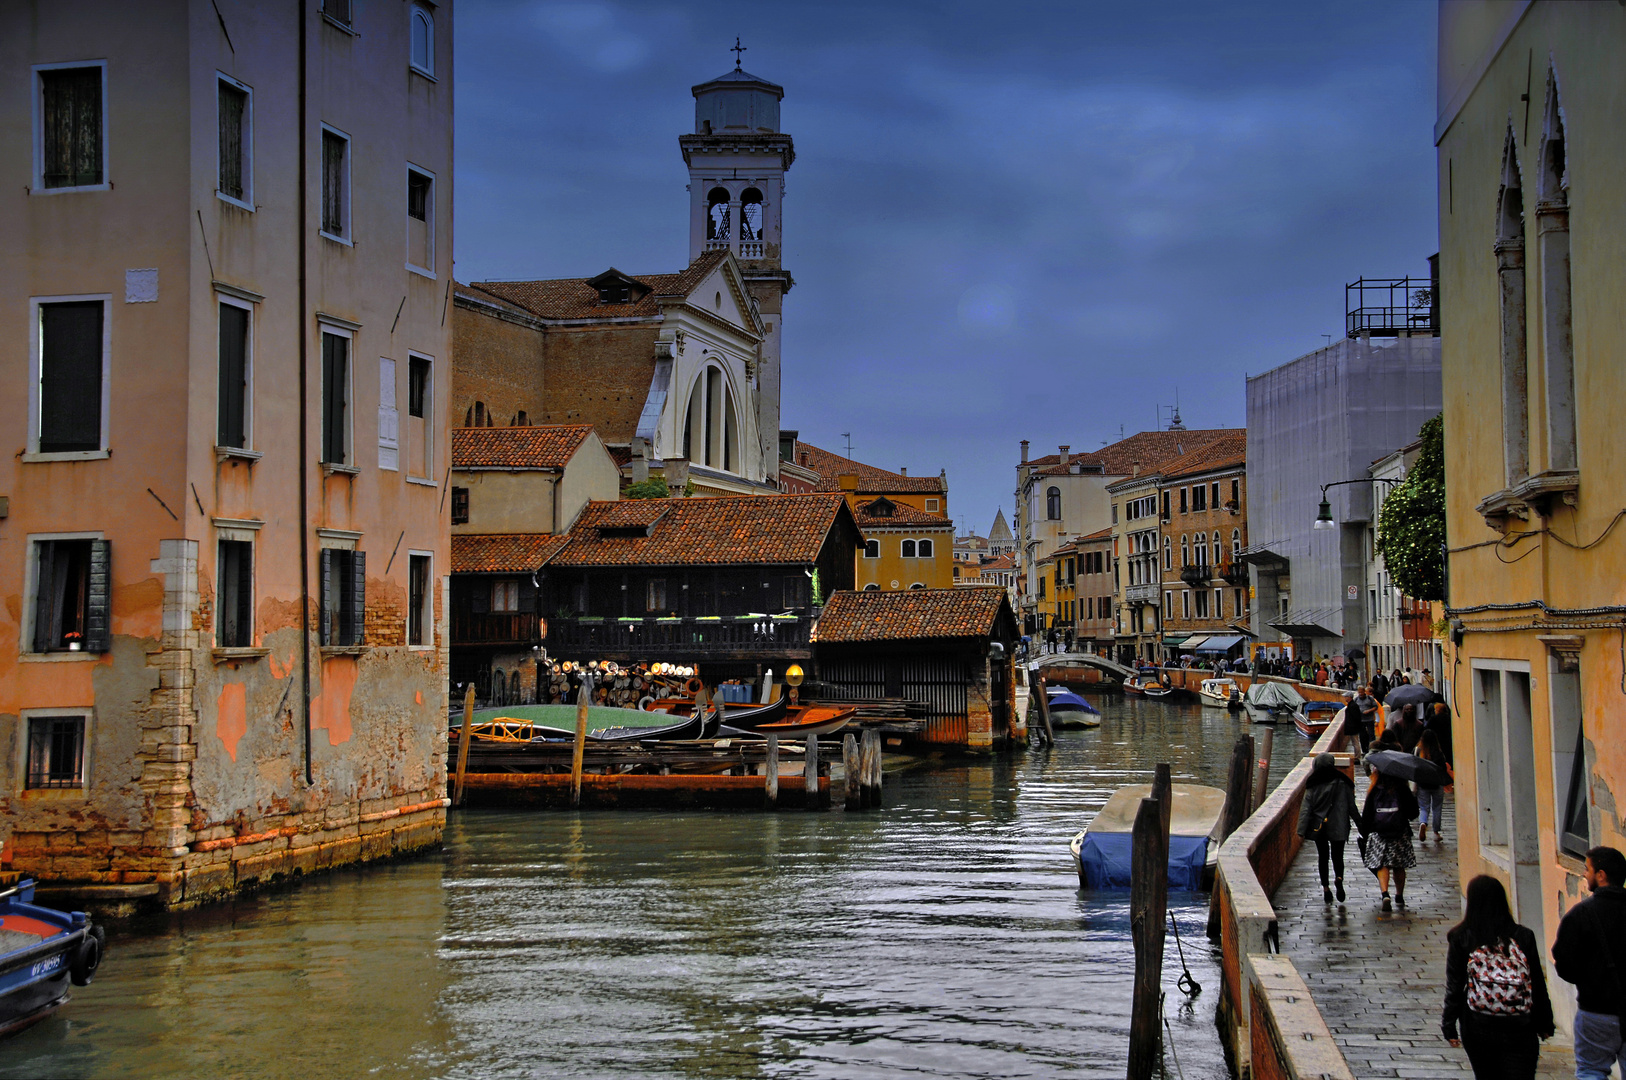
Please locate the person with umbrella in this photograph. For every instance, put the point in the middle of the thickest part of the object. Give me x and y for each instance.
(1386, 819)
(1325, 815)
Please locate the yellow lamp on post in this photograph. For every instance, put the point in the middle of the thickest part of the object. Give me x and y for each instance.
(794, 676)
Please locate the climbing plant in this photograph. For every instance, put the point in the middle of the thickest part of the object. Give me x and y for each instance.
(653, 488)
(1411, 525)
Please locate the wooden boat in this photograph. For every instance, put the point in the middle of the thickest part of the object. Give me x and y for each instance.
(1316, 717)
(1068, 710)
(1102, 851)
(1272, 703)
(1220, 693)
(604, 725)
(797, 721)
(42, 950)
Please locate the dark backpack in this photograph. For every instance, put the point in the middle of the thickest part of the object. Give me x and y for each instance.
(1387, 816)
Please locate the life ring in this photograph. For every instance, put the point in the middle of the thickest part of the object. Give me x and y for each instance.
(88, 957)
(694, 686)
(646, 703)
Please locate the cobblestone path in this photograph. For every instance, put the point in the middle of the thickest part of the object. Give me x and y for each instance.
(1379, 977)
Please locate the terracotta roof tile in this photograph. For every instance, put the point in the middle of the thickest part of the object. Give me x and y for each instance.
(902, 514)
(1226, 453)
(1152, 449)
(503, 553)
(549, 446)
(964, 611)
(574, 298)
(751, 529)
(1001, 562)
(1099, 534)
(871, 480)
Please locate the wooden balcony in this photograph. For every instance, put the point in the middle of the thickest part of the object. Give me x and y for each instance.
(681, 640)
(495, 628)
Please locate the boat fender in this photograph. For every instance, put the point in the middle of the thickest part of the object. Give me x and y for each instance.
(646, 703)
(694, 686)
(88, 957)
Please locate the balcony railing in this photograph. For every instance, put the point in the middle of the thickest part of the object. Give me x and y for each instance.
(1195, 575)
(750, 249)
(728, 637)
(1150, 593)
(1235, 573)
(495, 628)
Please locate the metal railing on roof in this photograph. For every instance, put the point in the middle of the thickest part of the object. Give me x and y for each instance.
(1389, 307)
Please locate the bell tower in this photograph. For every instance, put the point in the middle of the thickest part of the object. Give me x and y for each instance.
(737, 159)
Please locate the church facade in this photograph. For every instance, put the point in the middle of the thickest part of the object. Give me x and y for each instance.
(678, 373)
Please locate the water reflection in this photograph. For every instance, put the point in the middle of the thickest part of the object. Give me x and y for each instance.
(943, 936)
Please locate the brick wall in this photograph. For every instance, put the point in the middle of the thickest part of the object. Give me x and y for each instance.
(600, 376)
(498, 362)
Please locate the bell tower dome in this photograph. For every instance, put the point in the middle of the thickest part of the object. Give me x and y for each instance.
(737, 159)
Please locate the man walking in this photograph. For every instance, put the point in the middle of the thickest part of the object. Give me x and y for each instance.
(1591, 952)
(1365, 709)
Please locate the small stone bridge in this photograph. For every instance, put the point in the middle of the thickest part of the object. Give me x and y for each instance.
(1081, 660)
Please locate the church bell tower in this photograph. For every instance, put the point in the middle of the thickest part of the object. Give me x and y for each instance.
(737, 160)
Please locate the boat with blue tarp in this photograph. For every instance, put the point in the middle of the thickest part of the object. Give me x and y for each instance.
(1104, 851)
(42, 952)
(1068, 710)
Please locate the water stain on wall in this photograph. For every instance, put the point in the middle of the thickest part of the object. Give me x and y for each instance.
(330, 710)
(231, 716)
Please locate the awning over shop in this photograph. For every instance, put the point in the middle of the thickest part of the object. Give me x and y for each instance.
(1193, 642)
(1175, 640)
(1310, 622)
(1219, 643)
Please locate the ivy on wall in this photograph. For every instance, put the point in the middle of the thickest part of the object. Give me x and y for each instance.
(1411, 525)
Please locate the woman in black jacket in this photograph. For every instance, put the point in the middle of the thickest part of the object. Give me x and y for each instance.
(1502, 1044)
(1386, 824)
(1325, 816)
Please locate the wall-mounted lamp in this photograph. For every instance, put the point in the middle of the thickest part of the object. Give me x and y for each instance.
(1323, 517)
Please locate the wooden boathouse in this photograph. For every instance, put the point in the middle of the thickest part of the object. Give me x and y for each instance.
(950, 649)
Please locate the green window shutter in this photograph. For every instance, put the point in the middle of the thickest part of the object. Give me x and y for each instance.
(356, 630)
(98, 598)
(44, 592)
(328, 607)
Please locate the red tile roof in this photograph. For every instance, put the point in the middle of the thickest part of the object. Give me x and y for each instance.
(1227, 453)
(510, 553)
(902, 514)
(1000, 562)
(1099, 534)
(963, 611)
(574, 298)
(871, 481)
(549, 446)
(1152, 449)
(750, 529)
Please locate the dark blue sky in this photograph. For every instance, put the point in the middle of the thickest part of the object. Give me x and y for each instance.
(1005, 221)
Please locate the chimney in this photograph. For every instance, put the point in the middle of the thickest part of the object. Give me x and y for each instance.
(1024, 451)
(805, 457)
(1065, 456)
(904, 471)
(640, 459)
(1134, 468)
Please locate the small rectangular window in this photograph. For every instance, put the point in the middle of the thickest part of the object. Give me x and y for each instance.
(420, 406)
(1183, 500)
(335, 398)
(335, 184)
(1236, 494)
(655, 595)
(420, 615)
(1213, 499)
(235, 115)
(460, 506)
(232, 406)
(795, 591)
(1199, 499)
(337, 10)
(234, 614)
(420, 253)
(56, 752)
(931, 506)
(71, 602)
(72, 366)
(343, 597)
(417, 386)
(71, 133)
(505, 595)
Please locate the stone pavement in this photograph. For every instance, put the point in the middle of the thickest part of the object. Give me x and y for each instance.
(1379, 978)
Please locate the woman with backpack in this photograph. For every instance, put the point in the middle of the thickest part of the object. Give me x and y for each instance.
(1496, 1004)
(1325, 815)
(1386, 827)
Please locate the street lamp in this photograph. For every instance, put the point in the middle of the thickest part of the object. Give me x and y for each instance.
(1323, 517)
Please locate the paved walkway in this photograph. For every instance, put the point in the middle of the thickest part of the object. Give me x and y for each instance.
(1379, 978)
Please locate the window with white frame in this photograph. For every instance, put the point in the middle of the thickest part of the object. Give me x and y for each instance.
(423, 40)
(925, 549)
(1185, 603)
(70, 126)
(234, 587)
(56, 748)
(337, 10)
(420, 220)
(872, 549)
(70, 375)
(420, 600)
(342, 618)
(420, 411)
(335, 396)
(70, 605)
(932, 505)
(335, 184)
(908, 549)
(235, 358)
(235, 116)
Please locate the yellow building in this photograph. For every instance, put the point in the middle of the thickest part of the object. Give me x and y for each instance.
(1532, 141)
(1136, 541)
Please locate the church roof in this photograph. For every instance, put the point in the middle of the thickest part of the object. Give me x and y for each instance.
(736, 78)
(578, 298)
(999, 532)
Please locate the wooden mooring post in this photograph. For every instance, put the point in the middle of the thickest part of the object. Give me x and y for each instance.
(463, 744)
(851, 772)
(584, 694)
(1261, 780)
(810, 775)
(1238, 804)
(1148, 910)
(870, 769)
(770, 774)
(1047, 734)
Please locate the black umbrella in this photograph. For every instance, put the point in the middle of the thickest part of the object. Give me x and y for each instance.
(1406, 767)
(1408, 694)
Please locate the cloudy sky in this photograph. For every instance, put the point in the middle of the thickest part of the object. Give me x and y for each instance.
(1005, 221)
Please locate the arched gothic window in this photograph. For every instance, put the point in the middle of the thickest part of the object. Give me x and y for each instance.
(1168, 553)
(1052, 504)
(711, 431)
(1509, 251)
(423, 40)
(717, 225)
(1185, 554)
(1217, 549)
(1553, 237)
(1236, 545)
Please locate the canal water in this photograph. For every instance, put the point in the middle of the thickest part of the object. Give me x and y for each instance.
(942, 936)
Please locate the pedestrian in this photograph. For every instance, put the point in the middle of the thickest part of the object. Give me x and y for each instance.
(1590, 952)
(1365, 708)
(1496, 1003)
(1428, 678)
(1380, 686)
(1439, 722)
(1386, 828)
(1324, 817)
(1431, 800)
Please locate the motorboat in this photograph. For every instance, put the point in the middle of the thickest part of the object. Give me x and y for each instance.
(1273, 703)
(42, 951)
(1147, 686)
(1221, 693)
(1316, 717)
(1068, 710)
(1103, 851)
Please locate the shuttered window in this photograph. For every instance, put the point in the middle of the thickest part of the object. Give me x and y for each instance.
(71, 127)
(335, 184)
(232, 407)
(420, 617)
(234, 614)
(72, 587)
(344, 597)
(70, 390)
(234, 141)
(335, 398)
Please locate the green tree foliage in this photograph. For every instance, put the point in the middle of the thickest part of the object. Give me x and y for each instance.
(1411, 526)
(653, 488)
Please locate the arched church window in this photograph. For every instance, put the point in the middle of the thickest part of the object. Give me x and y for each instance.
(423, 40)
(1052, 504)
(1185, 556)
(717, 215)
(711, 433)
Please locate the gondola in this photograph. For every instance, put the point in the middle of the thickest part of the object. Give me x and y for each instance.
(699, 726)
(42, 950)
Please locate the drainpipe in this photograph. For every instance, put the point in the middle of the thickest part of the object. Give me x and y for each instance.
(304, 421)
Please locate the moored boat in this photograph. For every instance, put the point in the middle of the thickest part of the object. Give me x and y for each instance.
(1220, 693)
(1102, 852)
(42, 951)
(1068, 710)
(1272, 703)
(1316, 717)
